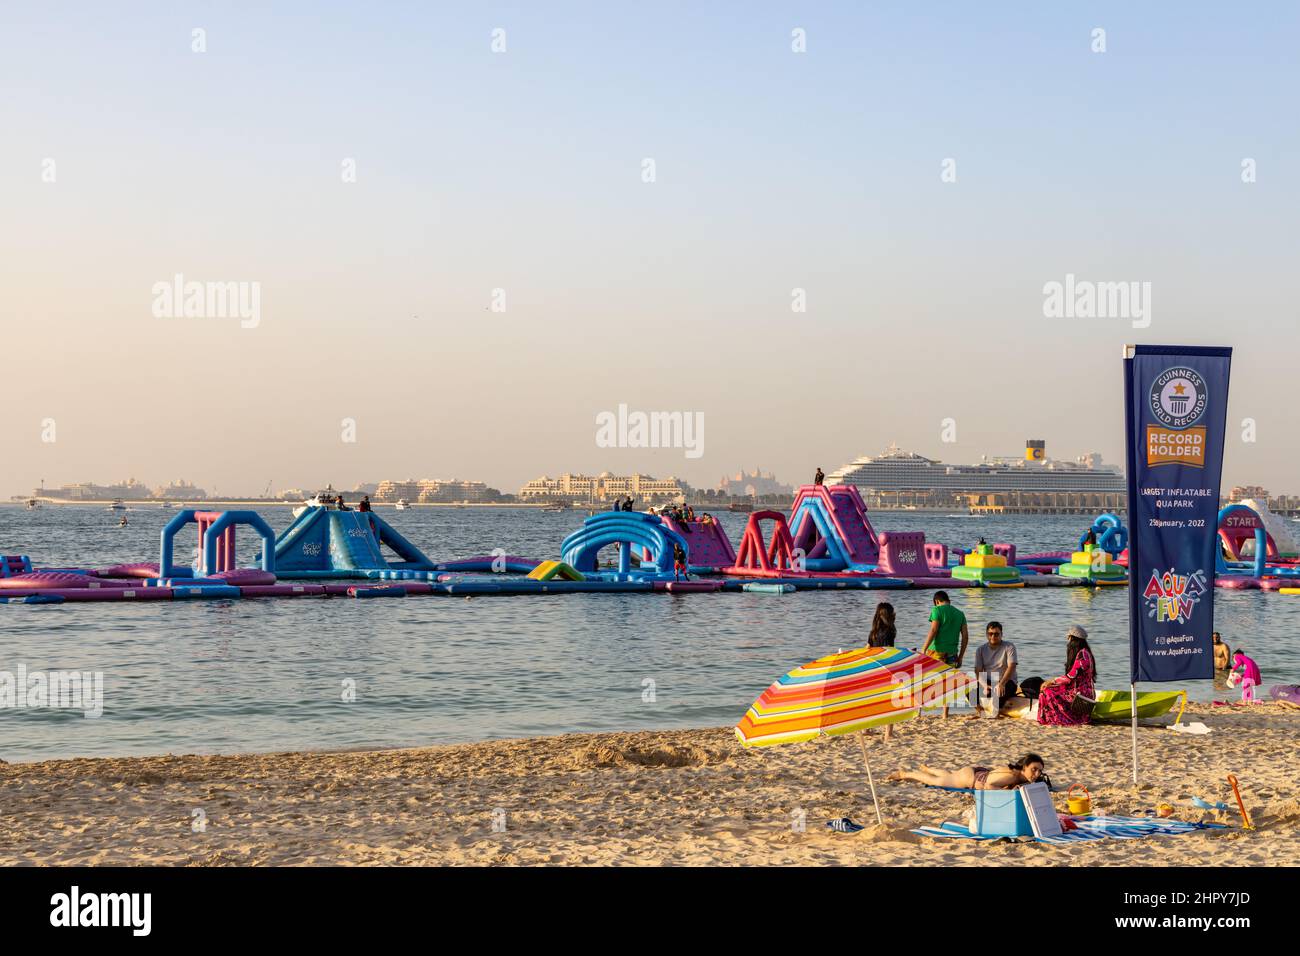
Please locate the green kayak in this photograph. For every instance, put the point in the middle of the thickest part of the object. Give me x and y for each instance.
(1117, 704)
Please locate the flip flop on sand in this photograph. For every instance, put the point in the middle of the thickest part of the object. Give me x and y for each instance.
(844, 825)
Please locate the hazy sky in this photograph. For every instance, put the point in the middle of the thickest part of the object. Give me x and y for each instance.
(523, 171)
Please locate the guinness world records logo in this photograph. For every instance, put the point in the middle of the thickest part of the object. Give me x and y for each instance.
(1178, 397)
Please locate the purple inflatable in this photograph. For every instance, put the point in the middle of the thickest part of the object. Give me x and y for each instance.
(246, 577)
(46, 579)
(142, 570)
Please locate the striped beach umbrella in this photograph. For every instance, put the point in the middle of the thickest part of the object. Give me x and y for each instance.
(850, 692)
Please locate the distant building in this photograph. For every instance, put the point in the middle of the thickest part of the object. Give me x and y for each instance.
(129, 490)
(1241, 492)
(180, 490)
(434, 490)
(753, 484)
(603, 487)
(1288, 505)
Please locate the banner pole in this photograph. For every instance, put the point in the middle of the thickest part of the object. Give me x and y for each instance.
(1130, 477)
(1133, 700)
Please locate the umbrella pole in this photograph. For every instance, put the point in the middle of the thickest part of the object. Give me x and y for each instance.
(862, 742)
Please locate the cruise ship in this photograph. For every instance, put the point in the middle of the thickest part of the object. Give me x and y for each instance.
(1034, 483)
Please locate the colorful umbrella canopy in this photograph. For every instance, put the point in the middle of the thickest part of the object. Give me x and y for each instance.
(847, 692)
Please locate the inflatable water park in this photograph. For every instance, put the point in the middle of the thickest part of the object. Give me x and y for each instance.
(827, 542)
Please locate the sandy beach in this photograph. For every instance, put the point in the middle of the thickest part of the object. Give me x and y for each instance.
(692, 797)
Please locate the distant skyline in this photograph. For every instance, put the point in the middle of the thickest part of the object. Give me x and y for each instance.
(460, 262)
(794, 480)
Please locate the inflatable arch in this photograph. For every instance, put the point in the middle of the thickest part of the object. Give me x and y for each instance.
(757, 556)
(216, 541)
(1237, 525)
(628, 529)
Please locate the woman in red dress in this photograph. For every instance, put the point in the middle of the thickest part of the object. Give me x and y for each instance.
(1080, 675)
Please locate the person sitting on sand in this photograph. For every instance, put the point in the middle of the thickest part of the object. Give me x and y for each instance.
(1056, 701)
(1028, 769)
(1222, 653)
(995, 667)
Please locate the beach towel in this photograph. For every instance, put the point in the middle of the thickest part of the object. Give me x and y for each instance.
(1088, 829)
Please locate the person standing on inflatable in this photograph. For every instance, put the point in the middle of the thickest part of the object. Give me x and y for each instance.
(679, 563)
(819, 477)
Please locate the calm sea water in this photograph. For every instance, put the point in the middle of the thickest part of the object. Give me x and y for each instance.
(263, 675)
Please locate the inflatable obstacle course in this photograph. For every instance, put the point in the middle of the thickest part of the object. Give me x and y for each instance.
(325, 543)
(631, 532)
(1111, 535)
(707, 546)
(835, 548)
(831, 529)
(988, 568)
(11, 564)
(1095, 566)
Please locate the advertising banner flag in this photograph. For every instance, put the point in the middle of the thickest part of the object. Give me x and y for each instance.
(1176, 407)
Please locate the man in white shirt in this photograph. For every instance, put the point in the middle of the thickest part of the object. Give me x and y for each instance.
(995, 667)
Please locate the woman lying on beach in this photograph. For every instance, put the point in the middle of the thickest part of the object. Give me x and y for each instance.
(1028, 769)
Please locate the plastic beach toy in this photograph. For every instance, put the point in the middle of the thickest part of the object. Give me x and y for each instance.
(1079, 806)
(1236, 791)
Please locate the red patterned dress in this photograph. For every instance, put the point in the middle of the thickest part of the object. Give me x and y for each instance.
(1054, 701)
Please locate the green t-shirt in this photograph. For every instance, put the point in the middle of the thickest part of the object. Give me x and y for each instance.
(948, 640)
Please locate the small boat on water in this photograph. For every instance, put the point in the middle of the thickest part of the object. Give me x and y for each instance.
(741, 506)
(402, 504)
(322, 499)
(32, 504)
(117, 505)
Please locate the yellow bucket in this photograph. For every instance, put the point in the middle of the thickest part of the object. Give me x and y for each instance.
(1079, 806)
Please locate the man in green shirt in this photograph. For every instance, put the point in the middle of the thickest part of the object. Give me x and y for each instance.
(948, 635)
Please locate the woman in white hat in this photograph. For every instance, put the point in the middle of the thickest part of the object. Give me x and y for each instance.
(1067, 701)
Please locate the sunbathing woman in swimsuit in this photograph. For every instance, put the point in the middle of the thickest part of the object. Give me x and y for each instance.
(1028, 769)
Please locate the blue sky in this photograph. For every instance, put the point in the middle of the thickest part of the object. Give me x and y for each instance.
(522, 171)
